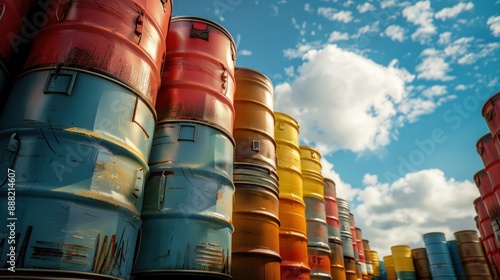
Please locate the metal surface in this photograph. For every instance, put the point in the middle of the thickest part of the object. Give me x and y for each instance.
(198, 82)
(488, 193)
(337, 268)
(350, 268)
(389, 268)
(183, 274)
(455, 259)
(421, 263)
(312, 180)
(346, 234)
(331, 208)
(471, 254)
(255, 241)
(319, 262)
(293, 240)
(123, 39)
(491, 114)
(82, 148)
(361, 253)
(188, 201)
(375, 262)
(485, 147)
(254, 120)
(47, 274)
(368, 257)
(252, 174)
(286, 133)
(401, 256)
(439, 255)
(317, 229)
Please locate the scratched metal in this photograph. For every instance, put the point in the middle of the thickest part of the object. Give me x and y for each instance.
(81, 162)
(188, 201)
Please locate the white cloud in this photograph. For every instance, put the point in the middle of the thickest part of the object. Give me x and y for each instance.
(433, 67)
(494, 23)
(387, 3)
(459, 47)
(307, 8)
(423, 201)
(395, 32)
(444, 38)
(331, 14)
(461, 87)
(454, 11)
(334, 84)
(435, 91)
(300, 50)
(366, 7)
(290, 71)
(420, 14)
(245, 52)
(484, 51)
(337, 36)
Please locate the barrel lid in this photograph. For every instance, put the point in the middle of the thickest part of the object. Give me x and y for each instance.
(207, 21)
(434, 233)
(330, 181)
(490, 100)
(286, 117)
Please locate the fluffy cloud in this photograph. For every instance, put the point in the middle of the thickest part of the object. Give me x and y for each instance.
(494, 24)
(421, 15)
(346, 101)
(344, 190)
(395, 32)
(406, 209)
(454, 11)
(366, 7)
(245, 52)
(433, 67)
(337, 36)
(331, 14)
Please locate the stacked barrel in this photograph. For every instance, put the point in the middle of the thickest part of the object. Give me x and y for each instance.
(293, 235)
(472, 255)
(255, 244)
(376, 265)
(318, 248)
(337, 269)
(347, 239)
(421, 263)
(188, 197)
(439, 256)
(390, 269)
(361, 253)
(455, 259)
(368, 258)
(403, 262)
(78, 127)
(359, 269)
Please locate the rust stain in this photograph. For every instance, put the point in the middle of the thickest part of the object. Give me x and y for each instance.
(220, 195)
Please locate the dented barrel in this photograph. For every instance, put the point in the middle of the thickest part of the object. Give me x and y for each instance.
(198, 81)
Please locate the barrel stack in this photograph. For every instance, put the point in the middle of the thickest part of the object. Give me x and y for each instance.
(347, 239)
(337, 268)
(188, 198)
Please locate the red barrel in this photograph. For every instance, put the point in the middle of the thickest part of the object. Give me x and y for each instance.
(489, 155)
(198, 82)
(332, 211)
(491, 114)
(122, 39)
(488, 197)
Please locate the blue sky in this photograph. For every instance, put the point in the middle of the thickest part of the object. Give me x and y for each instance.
(389, 91)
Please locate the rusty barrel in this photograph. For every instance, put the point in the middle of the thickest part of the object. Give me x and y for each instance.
(455, 259)
(485, 147)
(198, 81)
(472, 255)
(361, 252)
(317, 235)
(188, 203)
(255, 241)
(421, 263)
(403, 262)
(345, 228)
(254, 119)
(350, 268)
(439, 255)
(368, 258)
(389, 267)
(332, 211)
(490, 112)
(337, 268)
(488, 196)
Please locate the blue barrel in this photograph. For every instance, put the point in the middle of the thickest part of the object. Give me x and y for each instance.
(79, 144)
(439, 256)
(456, 260)
(188, 203)
(345, 228)
(383, 273)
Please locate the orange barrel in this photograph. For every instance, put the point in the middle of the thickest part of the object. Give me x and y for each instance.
(293, 240)
(124, 40)
(485, 147)
(253, 130)
(490, 115)
(472, 255)
(375, 263)
(255, 241)
(368, 258)
(389, 267)
(198, 82)
(354, 237)
(337, 268)
(403, 262)
(421, 263)
(332, 211)
(319, 262)
(345, 228)
(350, 268)
(286, 134)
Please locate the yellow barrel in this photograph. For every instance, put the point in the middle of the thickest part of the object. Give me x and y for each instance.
(368, 258)
(350, 268)
(337, 269)
(472, 255)
(255, 241)
(253, 129)
(286, 134)
(375, 263)
(312, 180)
(389, 268)
(401, 255)
(421, 263)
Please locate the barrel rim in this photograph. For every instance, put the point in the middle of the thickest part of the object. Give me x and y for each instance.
(205, 20)
(200, 122)
(490, 100)
(476, 175)
(484, 137)
(286, 117)
(330, 180)
(476, 200)
(465, 230)
(253, 71)
(436, 232)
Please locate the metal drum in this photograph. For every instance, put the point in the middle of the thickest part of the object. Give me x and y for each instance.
(375, 263)
(439, 256)
(368, 257)
(313, 182)
(390, 270)
(472, 255)
(254, 120)
(403, 262)
(293, 240)
(350, 268)
(421, 263)
(286, 133)
(317, 230)
(121, 39)
(319, 262)
(345, 228)
(354, 237)
(198, 82)
(361, 252)
(255, 241)
(337, 268)
(485, 147)
(490, 113)
(332, 211)
(383, 272)
(488, 196)
(188, 203)
(79, 144)
(455, 259)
